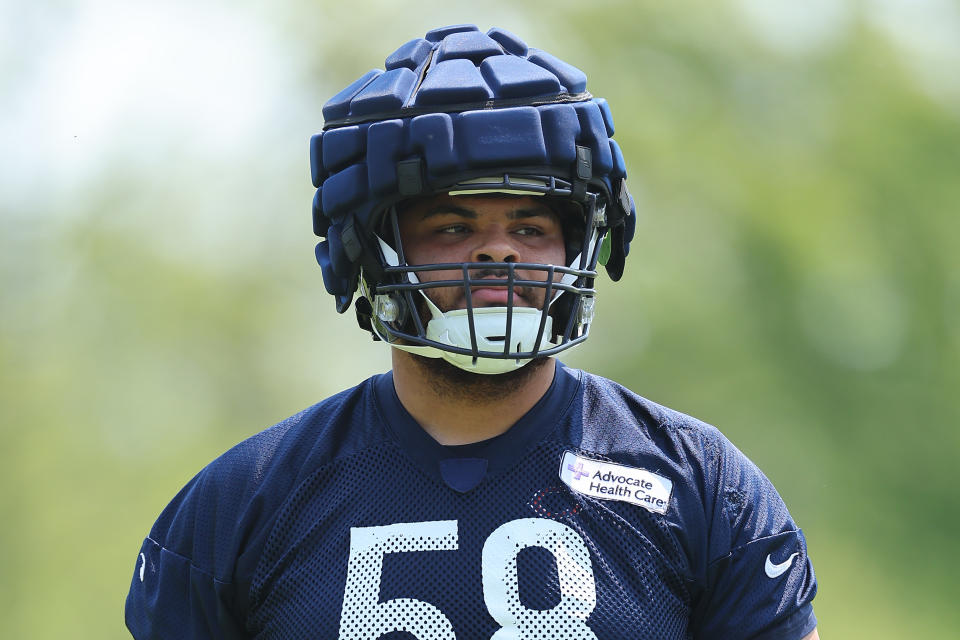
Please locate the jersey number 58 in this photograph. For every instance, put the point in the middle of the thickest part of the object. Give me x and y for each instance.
(363, 616)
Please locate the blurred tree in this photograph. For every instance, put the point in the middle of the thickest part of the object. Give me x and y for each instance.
(795, 281)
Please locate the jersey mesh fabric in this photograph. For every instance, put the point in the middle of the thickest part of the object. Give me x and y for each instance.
(343, 522)
(637, 567)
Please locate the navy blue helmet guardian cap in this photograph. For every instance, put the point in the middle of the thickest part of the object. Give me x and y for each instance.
(463, 112)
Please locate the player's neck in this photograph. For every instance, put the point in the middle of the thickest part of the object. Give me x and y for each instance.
(456, 407)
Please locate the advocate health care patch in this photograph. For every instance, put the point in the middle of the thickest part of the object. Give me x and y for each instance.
(611, 481)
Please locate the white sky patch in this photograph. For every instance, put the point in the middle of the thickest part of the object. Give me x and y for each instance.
(928, 33)
(797, 28)
(133, 80)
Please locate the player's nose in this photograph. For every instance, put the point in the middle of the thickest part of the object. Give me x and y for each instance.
(495, 244)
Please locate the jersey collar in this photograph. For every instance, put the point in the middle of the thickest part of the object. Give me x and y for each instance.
(463, 467)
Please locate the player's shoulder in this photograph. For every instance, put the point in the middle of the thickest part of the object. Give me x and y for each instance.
(336, 426)
(230, 503)
(619, 408)
(256, 475)
(628, 428)
(622, 425)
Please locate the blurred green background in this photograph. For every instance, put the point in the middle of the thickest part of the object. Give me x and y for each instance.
(795, 279)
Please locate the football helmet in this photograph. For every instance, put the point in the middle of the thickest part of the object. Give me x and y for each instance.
(464, 112)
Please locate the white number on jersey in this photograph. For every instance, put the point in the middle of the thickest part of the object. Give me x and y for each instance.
(501, 588)
(364, 616)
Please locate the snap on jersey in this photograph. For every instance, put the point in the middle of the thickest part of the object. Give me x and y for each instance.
(599, 515)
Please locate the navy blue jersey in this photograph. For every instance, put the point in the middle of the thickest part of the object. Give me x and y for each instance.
(599, 515)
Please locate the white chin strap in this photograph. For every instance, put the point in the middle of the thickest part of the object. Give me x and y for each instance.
(490, 325)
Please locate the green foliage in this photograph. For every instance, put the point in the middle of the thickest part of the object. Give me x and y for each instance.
(794, 281)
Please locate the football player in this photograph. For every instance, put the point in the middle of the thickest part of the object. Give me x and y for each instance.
(480, 489)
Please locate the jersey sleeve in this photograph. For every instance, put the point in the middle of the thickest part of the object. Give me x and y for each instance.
(760, 581)
(175, 592)
(194, 572)
(171, 598)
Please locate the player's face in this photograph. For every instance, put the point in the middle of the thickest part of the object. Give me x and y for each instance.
(456, 229)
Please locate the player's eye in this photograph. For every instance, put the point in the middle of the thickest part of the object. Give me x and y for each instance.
(453, 228)
(529, 231)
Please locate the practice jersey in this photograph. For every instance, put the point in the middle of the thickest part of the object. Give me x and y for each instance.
(598, 516)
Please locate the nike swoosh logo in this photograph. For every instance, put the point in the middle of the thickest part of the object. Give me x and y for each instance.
(776, 570)
(143, 564)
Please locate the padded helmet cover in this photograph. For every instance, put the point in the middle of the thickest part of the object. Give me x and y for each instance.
(452, 106)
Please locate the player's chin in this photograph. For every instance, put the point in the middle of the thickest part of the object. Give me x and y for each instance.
(451, 379)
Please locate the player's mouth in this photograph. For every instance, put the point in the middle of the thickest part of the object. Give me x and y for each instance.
(496, 293)
(495, 296)
(489, 289)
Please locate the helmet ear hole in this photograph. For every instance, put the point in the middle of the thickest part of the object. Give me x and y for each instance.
(561, 312)
(364, 313)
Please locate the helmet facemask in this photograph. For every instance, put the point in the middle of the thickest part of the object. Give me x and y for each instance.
(491, 339)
